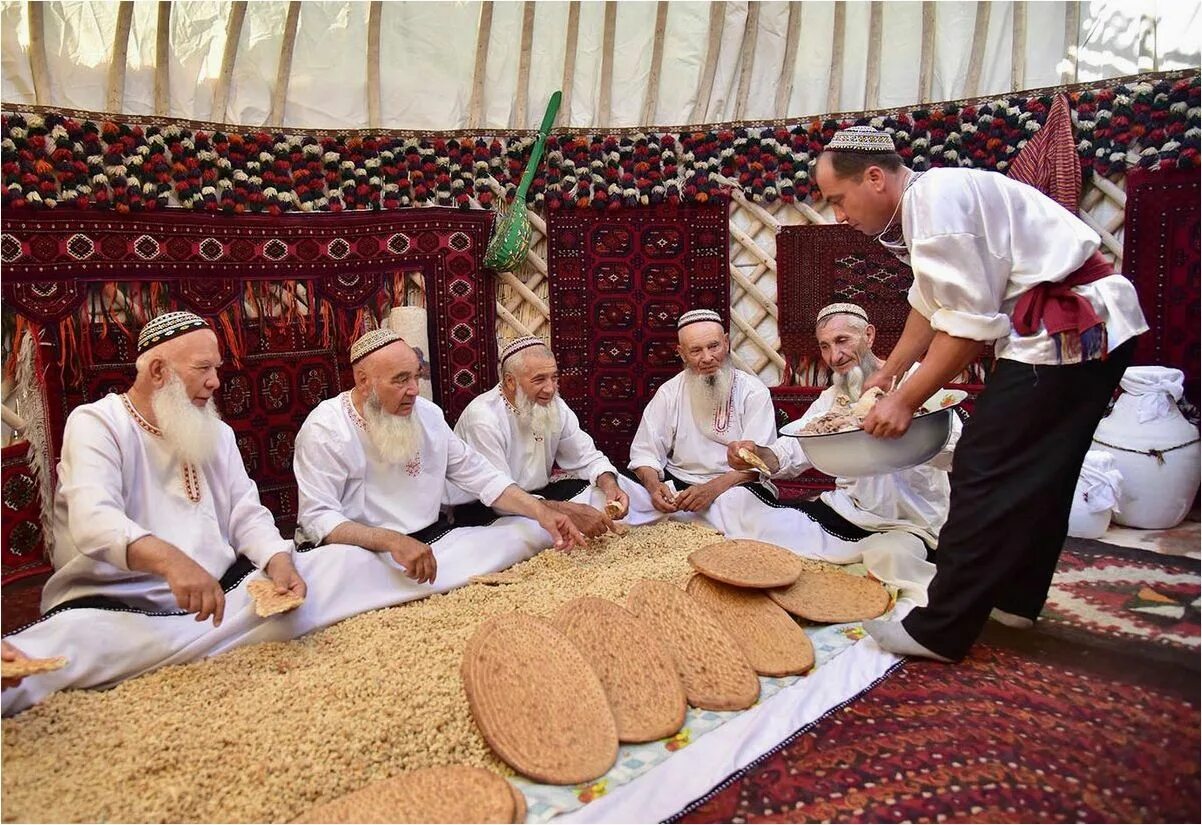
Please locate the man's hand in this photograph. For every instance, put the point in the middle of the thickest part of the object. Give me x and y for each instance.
(283, 575)
(662, 497)
(417, 558)
(879, 379)
(563, 532)
(700, 496)
(612, 492)
(737, 462)
(890, 417)
(588, 520)
(195, 590)
(11, 654)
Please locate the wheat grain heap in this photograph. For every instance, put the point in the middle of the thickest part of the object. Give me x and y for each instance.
(263, 733)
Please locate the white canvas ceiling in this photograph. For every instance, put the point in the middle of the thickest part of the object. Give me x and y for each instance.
(719, 62)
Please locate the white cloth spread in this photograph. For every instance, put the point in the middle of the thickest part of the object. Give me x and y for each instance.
(978, 240)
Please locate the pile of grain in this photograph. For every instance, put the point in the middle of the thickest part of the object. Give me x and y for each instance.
(262, 733)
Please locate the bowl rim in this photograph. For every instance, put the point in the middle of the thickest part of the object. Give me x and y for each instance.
(962, 397)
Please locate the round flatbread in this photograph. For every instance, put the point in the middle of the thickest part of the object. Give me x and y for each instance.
(537, 701)
(639, 677)
(774, 644)
(712, 667)
(746, 563)
(833, 597)
(455, 793)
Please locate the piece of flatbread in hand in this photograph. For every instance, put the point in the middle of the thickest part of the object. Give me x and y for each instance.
(754, 460)
(268, 602)
(614, 509)
(30, 667)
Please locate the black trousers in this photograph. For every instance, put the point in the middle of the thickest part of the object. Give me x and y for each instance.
(1013, 476)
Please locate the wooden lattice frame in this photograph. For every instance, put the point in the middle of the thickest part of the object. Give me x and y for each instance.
(523, 309)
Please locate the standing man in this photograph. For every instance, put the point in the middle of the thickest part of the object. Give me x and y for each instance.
(995, 261)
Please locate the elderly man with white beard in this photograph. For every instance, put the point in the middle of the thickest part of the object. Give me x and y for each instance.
(524, 428)
(157, 528)
(679, 450)
(889, 522)
(371, 466)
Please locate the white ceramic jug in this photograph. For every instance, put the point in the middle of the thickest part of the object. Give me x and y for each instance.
(1154, 447)
(1098, 489)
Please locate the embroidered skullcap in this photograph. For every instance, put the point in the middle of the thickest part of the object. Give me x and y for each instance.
(696, 316)
(861, 139)
(841, 309)
(372, 341)
(168, 326)
(518, 344)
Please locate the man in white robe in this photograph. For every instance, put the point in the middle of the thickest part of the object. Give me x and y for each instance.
(525, 429)
(889, 521)
(157, 528)
(679, 451)
(994, 261)
(371, 466)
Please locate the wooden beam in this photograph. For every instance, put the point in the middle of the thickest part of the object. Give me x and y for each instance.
(233, 33)
(519, 116)
(1072, 40)
(475, 106)
(706, 88)
(926, 61)
(751, 32)
(651, 98)
(375, 11)
(37, 52)
(872, 80)
(283, 71)
(788, 66)
(607, 64)
(569, 61)
(834, 91)
(162, 60)
(115, 97)
(1148, 60)
(1018, 46)
(980, 33)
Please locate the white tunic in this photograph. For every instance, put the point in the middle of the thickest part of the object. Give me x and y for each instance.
(978, 240)
(490, 425)
(341, 476)
(669, 436)
(913, 500)
(118, 481)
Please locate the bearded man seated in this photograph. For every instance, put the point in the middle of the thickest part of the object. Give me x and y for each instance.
(679, 451)
(526, 430)
(371, 466)
(157, 528)
(888, 521)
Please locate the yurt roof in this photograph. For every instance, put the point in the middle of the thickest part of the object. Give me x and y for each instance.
(491, 66)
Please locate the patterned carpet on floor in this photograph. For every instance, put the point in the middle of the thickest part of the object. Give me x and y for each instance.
(1091, 716)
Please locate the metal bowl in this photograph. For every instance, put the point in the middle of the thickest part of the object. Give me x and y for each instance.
(855, 453)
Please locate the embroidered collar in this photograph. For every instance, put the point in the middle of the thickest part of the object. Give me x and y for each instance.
(349, 406)
(138, 418)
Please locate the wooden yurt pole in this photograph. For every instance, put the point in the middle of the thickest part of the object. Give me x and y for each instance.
(926, 61)
(872, 79)
(651, 98)
(751, 32)
(976, 57)
(475, 106)
(115, 97)
(569, 61)
(1018, 46)
(1072, 40)
(701, 106)
(604, 112)
(784, 86)
(518, 116)
(375, 11)
(162, 59)
(283, 72)
(834, 91)
(37, 52)
(233, 33)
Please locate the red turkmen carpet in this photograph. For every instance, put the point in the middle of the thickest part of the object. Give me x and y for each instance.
(1091, 716)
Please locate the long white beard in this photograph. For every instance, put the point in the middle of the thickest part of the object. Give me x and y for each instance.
(540, 419)
(397, 437)
(707, 394)
(851, 383)
(191, 432)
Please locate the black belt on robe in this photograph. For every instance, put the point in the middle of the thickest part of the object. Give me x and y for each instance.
(479, 514)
